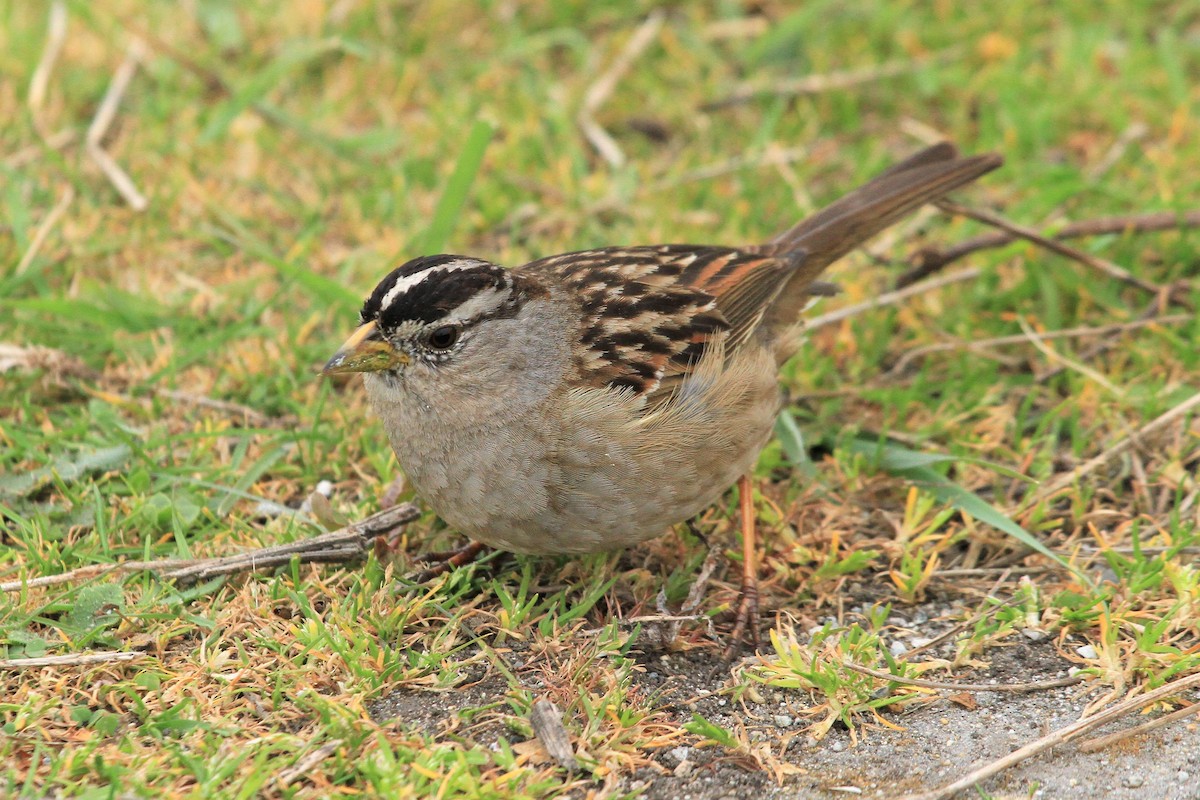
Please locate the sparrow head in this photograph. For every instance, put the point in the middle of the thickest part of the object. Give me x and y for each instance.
(431, 311)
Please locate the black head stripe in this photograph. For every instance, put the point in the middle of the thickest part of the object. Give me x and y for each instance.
(371, 307)
(429, 289)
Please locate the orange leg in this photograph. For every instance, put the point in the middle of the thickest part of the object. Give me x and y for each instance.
(446, 561)
(747, 610)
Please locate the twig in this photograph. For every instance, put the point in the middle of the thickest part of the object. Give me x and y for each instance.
(105, 115)
(91, 572)
(1101, 742)
(306, 762)
(1060, 736)
(930, 260)
(1063, 333)
(603, 86)
(825, 82)
(43, 230)
(1063, 481)
(56, 34)
(72, 660)
(987, 572)
(340, 546)
(1019, 688)
(890, 298)
(347, 544)
(1021, 232)
(546, 720)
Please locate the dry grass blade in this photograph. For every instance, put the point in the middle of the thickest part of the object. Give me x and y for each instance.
(306, 763)
(828, 81)
(56, 34)
(980, 345)
(43, 230)
(1083, 369)
(105, 115)
(1060, 736)
(602, 88)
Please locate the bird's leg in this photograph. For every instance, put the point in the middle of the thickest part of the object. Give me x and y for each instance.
(443, 562)
(747, 610)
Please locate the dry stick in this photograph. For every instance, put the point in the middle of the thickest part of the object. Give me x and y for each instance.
(43, 231)
(890, 298)
(1062, 333)
(1020, 231)
(1063, 481)
(546, 719)
(602, 88)
(829, 81)
(72, 660)
(105, 115)
(1101, 742)
(340, 546)
(930, 260)
(1019, 688)
(1060, 736)
(90, 572)
(56, 34)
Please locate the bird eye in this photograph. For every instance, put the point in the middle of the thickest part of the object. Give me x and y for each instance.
(444, 337)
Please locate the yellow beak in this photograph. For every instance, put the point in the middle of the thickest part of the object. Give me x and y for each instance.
(361, 353)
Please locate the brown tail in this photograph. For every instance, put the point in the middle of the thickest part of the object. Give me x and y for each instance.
(847, 223)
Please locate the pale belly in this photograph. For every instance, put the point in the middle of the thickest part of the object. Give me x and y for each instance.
(586, 472)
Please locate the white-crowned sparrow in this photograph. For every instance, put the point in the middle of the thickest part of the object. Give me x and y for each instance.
(591, 400)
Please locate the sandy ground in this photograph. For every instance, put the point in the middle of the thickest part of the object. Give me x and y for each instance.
(938, 742)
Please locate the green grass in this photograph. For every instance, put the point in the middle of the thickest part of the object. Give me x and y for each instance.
(291, 159)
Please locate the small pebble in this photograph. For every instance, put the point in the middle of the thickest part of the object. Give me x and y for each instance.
(325, 488)
(1087, 651)
(1183, 776)
(1033, 634)
(920, 618)
(897, 649)
(837, 747)
(919, 641)
(783, 721)
(1134, 781)
(679, 754)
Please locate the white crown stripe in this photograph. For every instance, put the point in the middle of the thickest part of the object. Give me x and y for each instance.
(484, 302)
(409, 281)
